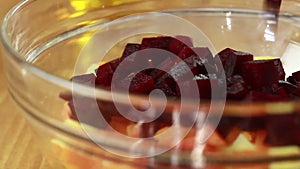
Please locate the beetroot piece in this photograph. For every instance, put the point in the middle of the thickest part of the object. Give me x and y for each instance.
(256, 96)
(104, 74)
(281, 91)
(178, 43)
(168, 85)
(87, 79)
(130, 49)
(283, 130)
(162, 68)
(236, 87)
(232, 60)
(295, 78)
(140, 83)
(161, 42)
(262, 75)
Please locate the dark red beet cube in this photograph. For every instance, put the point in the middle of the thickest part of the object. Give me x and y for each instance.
(140, 83)
(205, 87)
(232, 60)
(241, 57)
(130, 49)
(278, 65)
(251, 123)
(185, 39)
(262, 75)
(283, 130)
(228, 60)
(104, 74)
(86, 79)
(161, 42)
(281, 91)
(289, 87)
(198, 59)
(161, 70)
(256, 96)
(168, 85)
(237, 88)
(294, 78)
(178, 43)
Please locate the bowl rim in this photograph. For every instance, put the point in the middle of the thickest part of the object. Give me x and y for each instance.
(106, 94)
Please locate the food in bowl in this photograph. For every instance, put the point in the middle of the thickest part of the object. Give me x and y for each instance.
(247, 80)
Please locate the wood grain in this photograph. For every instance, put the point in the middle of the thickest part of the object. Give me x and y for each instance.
(17, 147)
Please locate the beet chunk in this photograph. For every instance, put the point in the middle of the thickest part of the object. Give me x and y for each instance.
(104, 74)
(256, 96)
(295, 78)
(140, 83)
(178, 43)
(283, 130)
(161, 42)
(236, 87)
(130, 49)
(232, 60)
(168, 85)
(86, 79)
(198, 59)
(262, 75)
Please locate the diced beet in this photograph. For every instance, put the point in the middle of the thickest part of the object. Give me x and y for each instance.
(228, 60)
(236, 87)
(291, 80)
(161, 42)
(104, 74)
(296, 75)
(232, 60)
(289, 87)
(161, 70)
(86, 110)
(198, 59)
(280, 70)
(178, 43)
(241, 57)
(283, 129)
(167, 84)
(86, 79)
(185, 39)
(115, 63)
(67, 96)
(298, 84)
(251, 123)
(140, 83)
(256, 96)
(262, 75)
(205, 88)
(281, 91)
(130, 49)
(297, 93)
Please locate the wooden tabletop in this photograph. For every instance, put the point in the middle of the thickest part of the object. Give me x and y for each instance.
(17, 147)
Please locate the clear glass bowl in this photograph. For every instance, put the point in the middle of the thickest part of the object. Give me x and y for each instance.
(48, 42)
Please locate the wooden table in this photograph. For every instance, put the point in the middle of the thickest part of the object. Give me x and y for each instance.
(17, 148)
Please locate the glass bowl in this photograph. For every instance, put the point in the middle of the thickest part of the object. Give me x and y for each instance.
(49, 42)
